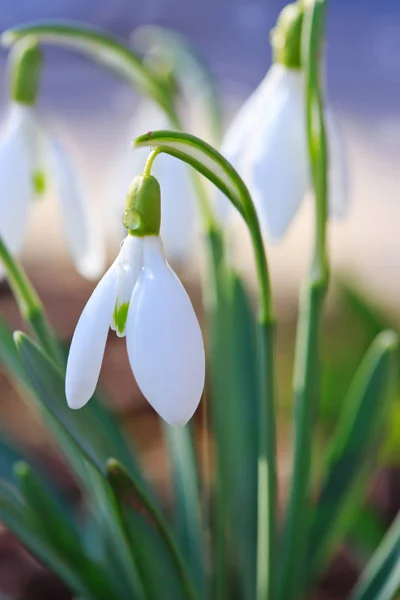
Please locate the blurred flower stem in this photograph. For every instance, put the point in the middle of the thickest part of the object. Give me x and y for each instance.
(307, 372)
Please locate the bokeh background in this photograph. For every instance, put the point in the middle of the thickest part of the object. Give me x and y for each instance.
(90, 109)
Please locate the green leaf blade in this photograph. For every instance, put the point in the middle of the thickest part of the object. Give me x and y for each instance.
(60, 533)
(353, 448)
(381, 578)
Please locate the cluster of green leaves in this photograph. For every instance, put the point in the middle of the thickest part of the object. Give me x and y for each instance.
(138, 553)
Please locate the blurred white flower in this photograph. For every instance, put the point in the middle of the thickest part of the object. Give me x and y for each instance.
(178, 195)
(30, 160)
(141, 297)
(267, 144)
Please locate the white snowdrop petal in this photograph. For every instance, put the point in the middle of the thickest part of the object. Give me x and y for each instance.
(338, 174)
(164, 340)
(81, 225)
(16, 189)
(23, 119)
(236, 136)
(244, 130)
(89, 340)
(276, 165)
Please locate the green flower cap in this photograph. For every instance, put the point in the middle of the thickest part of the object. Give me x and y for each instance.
(143, 206)
(286, 36)
(26, 59)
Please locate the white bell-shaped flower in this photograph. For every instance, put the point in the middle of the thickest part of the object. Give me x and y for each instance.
(141, 297)
(178, 196)
(28, 158)
(267, 144)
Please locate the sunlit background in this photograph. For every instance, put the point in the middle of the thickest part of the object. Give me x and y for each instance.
(90, 108)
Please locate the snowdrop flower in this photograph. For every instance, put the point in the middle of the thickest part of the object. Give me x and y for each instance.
(141, 298)
(30, 160)
(178, 195)
(267, 140)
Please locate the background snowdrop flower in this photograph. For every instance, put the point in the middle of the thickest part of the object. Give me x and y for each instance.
(178, 196)
(267, 141)
(29, 160)
(141, 297)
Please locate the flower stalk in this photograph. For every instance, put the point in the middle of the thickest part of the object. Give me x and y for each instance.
(307, 357)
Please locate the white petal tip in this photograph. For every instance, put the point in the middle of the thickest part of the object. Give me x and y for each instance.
(76, 402)
(179, 420)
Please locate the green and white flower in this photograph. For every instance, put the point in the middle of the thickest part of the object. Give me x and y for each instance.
(142, 299)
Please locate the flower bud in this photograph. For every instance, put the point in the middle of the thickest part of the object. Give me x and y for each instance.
(143, 206)
(286, 36)
(26, 64)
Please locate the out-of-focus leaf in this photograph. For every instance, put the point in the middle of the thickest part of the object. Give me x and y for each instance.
(381, 578)
(235, 422)
(353, 448)
(15, 516)
(159, 574)
(84, 440)
(59, 533)
(83, 426)
(187, 505)
(366, 531)
(372, 319)
(9, 355)
(161, 537)
(93, 43)
(390, 451)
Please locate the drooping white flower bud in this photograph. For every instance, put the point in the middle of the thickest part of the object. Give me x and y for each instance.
(267, 140)
(141, 298)
(29, 160)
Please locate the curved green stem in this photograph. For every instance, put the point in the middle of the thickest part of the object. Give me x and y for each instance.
(29, 303)
(307, 362)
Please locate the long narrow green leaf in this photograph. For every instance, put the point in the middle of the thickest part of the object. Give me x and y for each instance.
(9, 355)
(101, 48)
(60, 534)
(381, 578)
(125, 486)
(353, 448)
(84, 439)
(234, 410)
(14, 515)
(48, 380)
(187, 505)
(83, 426)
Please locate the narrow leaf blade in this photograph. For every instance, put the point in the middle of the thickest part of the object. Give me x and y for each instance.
(353, 447)
(381, 578)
